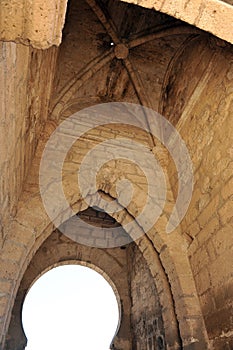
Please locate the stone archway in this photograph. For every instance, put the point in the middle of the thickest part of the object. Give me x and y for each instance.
(165, 259)
(88, 302)
(56, 251)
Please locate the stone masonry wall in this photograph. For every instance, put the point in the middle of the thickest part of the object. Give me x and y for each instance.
(210, 217)
(203, 77)
(206, 126)
(24, 74)
(146, 316)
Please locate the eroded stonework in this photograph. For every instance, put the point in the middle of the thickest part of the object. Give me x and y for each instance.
(175, 290)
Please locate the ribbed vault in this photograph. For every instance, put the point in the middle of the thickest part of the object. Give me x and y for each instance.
(115, 51)
(125, 48)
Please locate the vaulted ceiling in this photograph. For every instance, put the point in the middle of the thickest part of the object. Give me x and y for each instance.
(114, 51)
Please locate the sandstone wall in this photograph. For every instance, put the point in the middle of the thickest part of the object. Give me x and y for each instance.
(195, 75)
(206, 126)
(211, 213)
(37, 23)
(146, 313)
(26, 76)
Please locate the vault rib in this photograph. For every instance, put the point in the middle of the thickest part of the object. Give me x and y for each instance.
(162, 33)
(103, 19)
(137, 83)
(84, 74)
(141, 94)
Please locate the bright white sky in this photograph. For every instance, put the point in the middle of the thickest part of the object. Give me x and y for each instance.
(70, 308)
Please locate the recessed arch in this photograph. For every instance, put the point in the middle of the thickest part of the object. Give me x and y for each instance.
(183, 265)
(164, 254)
(58, 250)
(176, 96)
(168, 276)
(70, 272)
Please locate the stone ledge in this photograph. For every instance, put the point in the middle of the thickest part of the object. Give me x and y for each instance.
(38, 23)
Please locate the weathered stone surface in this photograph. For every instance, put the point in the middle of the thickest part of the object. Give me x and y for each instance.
(176, 289)
(38, 24)
(212, 16)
